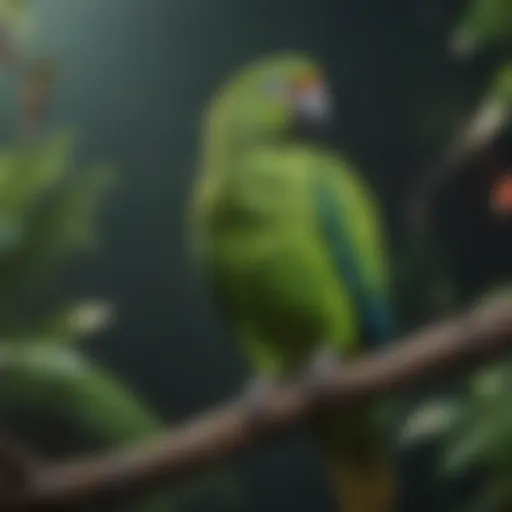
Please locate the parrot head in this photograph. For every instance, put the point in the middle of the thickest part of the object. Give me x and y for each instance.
(485, 23)
(277, 97)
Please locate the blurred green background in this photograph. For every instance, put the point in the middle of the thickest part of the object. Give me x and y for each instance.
(134, 78)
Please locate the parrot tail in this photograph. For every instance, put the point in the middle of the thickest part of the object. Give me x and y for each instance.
(360, 472)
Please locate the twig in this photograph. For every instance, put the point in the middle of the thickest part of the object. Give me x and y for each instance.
(34, 91)
(431, 353)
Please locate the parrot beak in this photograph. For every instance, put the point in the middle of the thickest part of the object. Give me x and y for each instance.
(312, 105)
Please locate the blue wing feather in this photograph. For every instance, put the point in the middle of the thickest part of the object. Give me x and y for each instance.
(375, 311)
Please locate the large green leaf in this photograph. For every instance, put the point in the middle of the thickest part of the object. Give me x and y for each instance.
(48, 215)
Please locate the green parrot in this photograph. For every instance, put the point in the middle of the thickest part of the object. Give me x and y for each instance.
(288, 238)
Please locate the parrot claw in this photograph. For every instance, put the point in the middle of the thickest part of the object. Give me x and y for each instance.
(323, 364)
(255, 396)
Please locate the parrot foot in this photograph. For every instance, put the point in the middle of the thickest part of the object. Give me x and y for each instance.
(255, 396)
(323, 364)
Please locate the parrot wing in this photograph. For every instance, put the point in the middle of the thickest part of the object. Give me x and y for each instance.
(351, 234)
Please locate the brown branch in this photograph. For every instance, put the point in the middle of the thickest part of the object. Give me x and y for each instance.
(431, 353)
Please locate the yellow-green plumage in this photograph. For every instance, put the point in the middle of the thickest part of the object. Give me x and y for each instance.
(288, 280)
(263, 249)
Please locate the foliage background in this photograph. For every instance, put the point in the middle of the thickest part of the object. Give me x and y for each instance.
(135, 77)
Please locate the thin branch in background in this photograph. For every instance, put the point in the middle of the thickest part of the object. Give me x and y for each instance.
(36, 81)
(432, 353)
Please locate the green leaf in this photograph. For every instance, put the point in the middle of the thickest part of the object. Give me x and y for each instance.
(465, 452)
(430, 421)
(48, 215)
(30, 171)
(77, 321)
(57, 228)
(501, 87)
(485, 23)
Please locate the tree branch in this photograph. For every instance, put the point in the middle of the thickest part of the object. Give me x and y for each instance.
(429, 354)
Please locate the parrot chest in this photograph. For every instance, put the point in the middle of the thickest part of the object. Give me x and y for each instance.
(259, 219)
(268, 263)
(278, 280)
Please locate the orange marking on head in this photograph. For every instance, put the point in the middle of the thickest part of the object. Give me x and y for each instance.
(308, 81)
